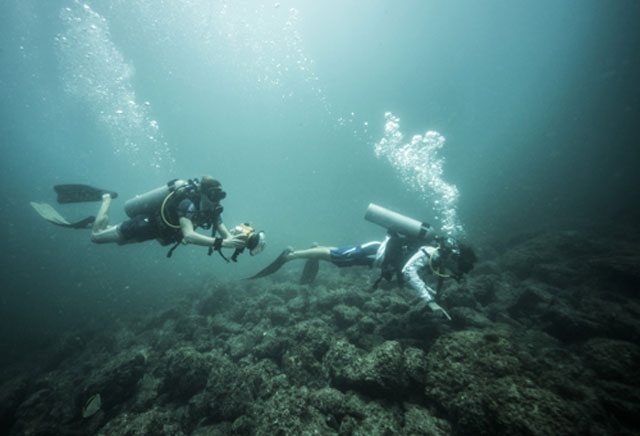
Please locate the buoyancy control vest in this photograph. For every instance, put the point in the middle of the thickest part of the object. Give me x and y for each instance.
(161, 206)
(397, 253)
(170, 219)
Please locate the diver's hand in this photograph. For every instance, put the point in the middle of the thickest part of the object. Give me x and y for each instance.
(234, 242)
(437, 309)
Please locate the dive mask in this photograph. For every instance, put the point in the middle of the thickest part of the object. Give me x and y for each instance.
(215, 194)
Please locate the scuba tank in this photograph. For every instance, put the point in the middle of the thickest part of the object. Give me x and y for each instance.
(151, 202)
(396, 222)
(404, 235)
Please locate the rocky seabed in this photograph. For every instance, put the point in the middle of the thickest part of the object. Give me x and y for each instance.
(543, 342)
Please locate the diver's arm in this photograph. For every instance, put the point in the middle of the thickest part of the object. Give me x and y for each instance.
(222, 229)
(230, 241)
(190, 236)
(410, 274)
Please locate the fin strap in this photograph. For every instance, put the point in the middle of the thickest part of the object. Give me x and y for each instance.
(170, 252)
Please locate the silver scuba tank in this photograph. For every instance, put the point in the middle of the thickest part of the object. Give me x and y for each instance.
(150, 202)
(398, 223)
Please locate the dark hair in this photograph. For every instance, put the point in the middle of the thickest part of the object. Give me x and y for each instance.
(212, 188)
(208, 182)
(466, 259)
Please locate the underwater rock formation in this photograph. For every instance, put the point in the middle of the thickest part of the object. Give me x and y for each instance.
(543, 341)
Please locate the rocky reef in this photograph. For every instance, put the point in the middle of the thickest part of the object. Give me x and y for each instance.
(544, 341)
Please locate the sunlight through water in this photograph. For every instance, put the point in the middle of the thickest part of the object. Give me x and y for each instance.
(95, 72)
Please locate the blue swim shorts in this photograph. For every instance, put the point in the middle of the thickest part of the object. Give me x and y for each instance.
(353, 255)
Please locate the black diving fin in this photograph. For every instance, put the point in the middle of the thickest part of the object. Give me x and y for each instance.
(82, 224)
(274, 266)
(310, 271)
(74, 193)
(50, 214)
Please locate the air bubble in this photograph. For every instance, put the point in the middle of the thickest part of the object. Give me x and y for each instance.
(420, 168)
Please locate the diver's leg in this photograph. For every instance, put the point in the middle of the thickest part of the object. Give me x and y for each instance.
(104, 236)
(102, 232)
(102, 219)
(319, 253)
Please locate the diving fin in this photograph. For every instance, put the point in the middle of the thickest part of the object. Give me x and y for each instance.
(50, 214)
(80, 193)
(310, 271)
(85, 223)
(274, 266)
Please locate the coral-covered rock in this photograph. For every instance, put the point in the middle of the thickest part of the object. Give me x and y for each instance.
(552, 257)
(613, 360)
(568, 324)
(379, 418)
(242, 344)
(228, 392)
(533, 300)
(155, 422)
(303, 368)
(35, 414)
(12, 394)
(483, 288)
(278, 315)
(316, 334)
(469, 318)
(330, 401)
(475, 377)
(622, 402)
(339, 363)
(456, 360)
(619, 269)
(380, 373)
(288, 412)
(415, 363)
(345, 315)
(117, 382)
(457, 296)
(272, 345)
(420, 422)
(219, 429)
(543, 341)
(186, 373)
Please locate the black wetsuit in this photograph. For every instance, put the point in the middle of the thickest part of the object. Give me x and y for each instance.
(146, 227)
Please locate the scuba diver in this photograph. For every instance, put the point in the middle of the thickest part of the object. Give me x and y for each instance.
(169, 214)
(410, 250)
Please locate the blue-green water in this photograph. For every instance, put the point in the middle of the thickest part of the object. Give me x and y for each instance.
(537, 104)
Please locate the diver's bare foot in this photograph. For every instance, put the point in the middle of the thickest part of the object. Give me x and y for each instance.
(102, 219)
(288, 253)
